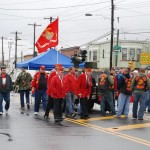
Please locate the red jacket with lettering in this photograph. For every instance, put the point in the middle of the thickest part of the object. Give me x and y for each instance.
(71, 79)
(81, 86)
(58, 87)
(36, 78)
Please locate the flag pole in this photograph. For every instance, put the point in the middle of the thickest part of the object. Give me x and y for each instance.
(57, 56)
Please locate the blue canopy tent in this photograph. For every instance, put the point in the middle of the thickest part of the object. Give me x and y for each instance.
(48, 59)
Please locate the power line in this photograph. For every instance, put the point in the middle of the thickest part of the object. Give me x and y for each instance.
(54, 7)
(24, 2)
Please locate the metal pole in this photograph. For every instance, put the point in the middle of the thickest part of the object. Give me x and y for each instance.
(15, 49)
(34, 41)
(112, 32)
(34, 25)
(116, 62)
(2, 51)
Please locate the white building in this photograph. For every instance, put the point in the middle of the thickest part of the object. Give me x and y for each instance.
(130, 50)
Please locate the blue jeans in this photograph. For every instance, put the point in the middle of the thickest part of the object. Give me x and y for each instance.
(40, 95)
(22, 93)
(107, 96)
(139, 98)
(147, 103)
(6, 97)
(123, 104)
(69, 104)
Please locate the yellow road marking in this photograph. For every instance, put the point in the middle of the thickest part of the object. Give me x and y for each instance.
(95, 119)
(128, 137)
(99, 118)
(128, 127)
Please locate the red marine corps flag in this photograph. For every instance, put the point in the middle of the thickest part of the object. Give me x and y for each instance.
(49, 37)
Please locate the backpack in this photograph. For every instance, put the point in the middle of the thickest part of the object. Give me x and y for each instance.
(140, 83)
(103, 82)
(127, 85)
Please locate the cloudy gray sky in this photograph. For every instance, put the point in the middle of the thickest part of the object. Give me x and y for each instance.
(75, 28)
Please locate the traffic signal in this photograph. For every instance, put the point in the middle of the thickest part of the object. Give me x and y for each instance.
(79, 58)
(83, 55)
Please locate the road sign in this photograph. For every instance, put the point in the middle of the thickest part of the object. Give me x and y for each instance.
(117, 48)
(145, 58)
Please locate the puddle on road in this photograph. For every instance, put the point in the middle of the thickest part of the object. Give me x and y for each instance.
(8, 135)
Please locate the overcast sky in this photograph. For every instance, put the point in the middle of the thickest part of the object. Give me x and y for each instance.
(75, 28)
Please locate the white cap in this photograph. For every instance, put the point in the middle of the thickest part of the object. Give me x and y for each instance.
(135, 71)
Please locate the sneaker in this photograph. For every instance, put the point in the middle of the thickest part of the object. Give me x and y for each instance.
(73, 115)
(134, 118)
(22, 108)
(6, 111)
(1, 113)
(35, 113)
(28, 106)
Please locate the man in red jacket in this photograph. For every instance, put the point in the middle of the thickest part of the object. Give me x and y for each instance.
(39, 87)
(84, 84)
(71, 78)
(59, 88)
(50, 99)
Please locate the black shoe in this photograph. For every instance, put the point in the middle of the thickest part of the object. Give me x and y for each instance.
(140, 118)
(83, 117)
(57, 120)
(28, 106)
(67, 116)
(148, 111)
(61, 119)
(46, 117)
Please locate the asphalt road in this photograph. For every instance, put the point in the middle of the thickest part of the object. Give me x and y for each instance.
(24, 131)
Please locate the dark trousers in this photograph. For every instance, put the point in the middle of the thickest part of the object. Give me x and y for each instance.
(57, 110)
(26, 93)
(49, 105)
(84, 107)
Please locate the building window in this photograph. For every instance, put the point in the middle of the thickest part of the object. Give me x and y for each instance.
(138, 54)
(94, 55)
(124, 53)
(132, 54)
(90, 55)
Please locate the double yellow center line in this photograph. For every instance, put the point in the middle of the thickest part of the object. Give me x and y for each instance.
(108, 131)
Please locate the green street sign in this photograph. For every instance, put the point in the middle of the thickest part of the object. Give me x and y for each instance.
(117, 48)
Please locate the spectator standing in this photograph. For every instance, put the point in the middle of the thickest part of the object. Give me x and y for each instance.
(124, 87)
(147, 103)
(140, 86)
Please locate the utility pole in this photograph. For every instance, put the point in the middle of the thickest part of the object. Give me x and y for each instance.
(112, 32)
(116, 61)
(2, 51)
(50, 18)
(9, 47)
(16, 39)
(34, 25)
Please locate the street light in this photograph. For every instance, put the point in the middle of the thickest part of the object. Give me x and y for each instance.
(112, 29)
(88, 14)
